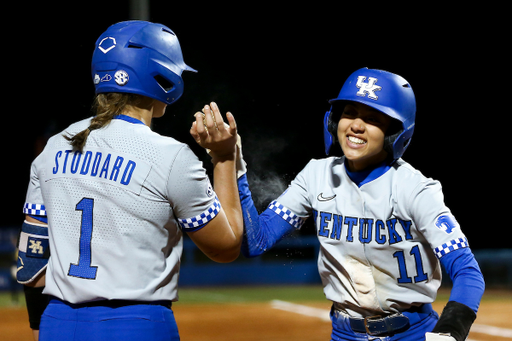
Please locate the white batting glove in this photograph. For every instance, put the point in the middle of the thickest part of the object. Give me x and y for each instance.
(438, 337)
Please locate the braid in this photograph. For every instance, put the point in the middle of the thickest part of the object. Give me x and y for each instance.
(106, 106)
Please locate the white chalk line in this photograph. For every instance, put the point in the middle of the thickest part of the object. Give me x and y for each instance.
(324, 316)
(301, 309)
(491, 330)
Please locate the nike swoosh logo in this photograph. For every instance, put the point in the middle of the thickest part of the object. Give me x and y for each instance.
(321, 197)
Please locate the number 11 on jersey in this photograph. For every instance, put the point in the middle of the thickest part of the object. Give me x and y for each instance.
(84, 269)
(404, 277)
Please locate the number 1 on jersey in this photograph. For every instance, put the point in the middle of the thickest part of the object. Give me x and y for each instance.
(84, 269)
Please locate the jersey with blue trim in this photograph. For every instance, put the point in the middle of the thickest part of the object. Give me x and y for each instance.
(116, 211)
(381, 239)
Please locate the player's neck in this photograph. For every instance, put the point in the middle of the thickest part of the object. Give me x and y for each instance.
(142, 115)
(369, 174)
(146, 110)
(366, 164)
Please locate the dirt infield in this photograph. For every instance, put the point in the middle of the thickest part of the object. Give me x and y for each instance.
(260, 321)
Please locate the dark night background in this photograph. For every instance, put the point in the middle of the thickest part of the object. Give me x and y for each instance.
(275, 67)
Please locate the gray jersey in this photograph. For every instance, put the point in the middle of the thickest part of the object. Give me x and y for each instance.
(380, 242)
(116, 211)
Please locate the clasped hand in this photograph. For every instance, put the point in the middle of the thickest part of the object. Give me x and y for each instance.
(211, 132)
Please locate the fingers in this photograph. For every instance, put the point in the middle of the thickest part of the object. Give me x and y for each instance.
(232, 123)
(209, 118)
(194, 133)
(217, 117)
(214, 120)
(199, 125)
(211, 132)
(220, 124)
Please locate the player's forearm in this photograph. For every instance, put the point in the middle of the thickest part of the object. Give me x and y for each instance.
(263, 231)
(468, 288)
(254, 242)
(33, 275)
(221, 238)
(224, 181)
(468, 282)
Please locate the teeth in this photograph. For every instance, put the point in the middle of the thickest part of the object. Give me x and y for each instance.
(354, 139)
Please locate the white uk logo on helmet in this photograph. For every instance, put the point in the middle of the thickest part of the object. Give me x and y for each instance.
(107, 44)
(367, 88)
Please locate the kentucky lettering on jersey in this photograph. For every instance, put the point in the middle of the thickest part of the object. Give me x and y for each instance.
(97, 164)
(332, 226)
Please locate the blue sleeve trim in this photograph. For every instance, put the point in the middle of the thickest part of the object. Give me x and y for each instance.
(452, 245)
(34, 209)
(286, 214)
(261, 231)
(468, 282)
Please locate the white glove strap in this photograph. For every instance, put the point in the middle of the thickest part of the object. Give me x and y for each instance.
(438, 337)
(241, 165)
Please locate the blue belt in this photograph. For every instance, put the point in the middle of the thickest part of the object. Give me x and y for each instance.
(388, 325)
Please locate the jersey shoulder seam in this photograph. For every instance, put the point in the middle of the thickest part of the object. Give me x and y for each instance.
(172, 163)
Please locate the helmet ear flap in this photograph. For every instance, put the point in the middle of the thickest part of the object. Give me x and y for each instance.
(397, 143)
(389, 142)
(331, 120)
(328, 137)
(333, 124)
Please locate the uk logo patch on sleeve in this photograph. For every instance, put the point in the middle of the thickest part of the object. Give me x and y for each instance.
(33, 254)
(37, 247)
(446, 223)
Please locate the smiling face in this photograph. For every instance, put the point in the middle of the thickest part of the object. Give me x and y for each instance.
(361, 132)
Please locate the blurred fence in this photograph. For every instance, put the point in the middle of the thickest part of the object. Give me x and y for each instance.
(292, 261)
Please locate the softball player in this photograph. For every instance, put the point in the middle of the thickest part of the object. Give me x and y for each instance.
(383, 227)
(111, 199)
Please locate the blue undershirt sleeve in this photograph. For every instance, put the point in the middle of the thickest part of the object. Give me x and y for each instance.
(468, 282)
(261, 231)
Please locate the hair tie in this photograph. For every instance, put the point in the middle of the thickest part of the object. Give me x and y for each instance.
(91, 128)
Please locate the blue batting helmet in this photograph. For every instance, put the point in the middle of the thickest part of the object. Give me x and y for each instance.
(384, 91)
(139, 57)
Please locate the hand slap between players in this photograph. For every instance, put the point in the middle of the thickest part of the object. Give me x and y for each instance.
(210, 132)
(221, 239)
